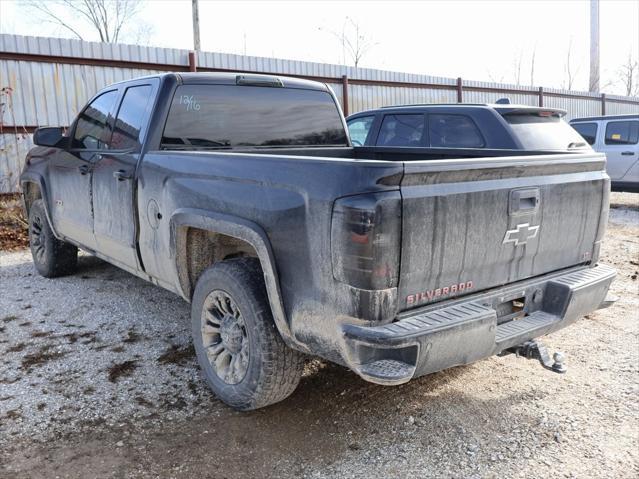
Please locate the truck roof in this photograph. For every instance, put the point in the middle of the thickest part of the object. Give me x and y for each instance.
(232, 78)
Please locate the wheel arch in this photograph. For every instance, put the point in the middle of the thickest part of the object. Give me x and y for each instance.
(186, 219)
(33, 188)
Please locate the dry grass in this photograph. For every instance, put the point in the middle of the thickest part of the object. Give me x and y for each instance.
(13, 225)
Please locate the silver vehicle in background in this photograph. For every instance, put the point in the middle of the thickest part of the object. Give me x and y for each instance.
(618, 137)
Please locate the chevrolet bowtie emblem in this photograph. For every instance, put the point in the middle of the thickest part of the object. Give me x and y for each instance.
(521, 234)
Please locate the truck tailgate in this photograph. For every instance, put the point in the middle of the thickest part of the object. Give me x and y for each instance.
(473, 224)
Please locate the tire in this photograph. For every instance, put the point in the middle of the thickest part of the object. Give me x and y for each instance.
(51, 256)
(242, 356)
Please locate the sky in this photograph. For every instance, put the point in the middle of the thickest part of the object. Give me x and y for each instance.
(474, 39)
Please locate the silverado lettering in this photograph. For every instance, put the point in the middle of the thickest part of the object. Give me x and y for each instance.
(439, 292)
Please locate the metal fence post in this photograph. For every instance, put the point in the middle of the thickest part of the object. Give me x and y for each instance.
(603, 104)
(345, 94)
(192, 62)
(460, 91)
(541, 96)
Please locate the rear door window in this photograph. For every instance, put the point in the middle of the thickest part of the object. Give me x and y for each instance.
(131, 117)
(359, 128)
(453, 131)
(228, 116)
(92, 130)
(622, 133)
(401, 130)
(587, 130)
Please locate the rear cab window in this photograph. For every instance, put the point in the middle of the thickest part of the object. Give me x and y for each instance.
(544, 130)
(624, 132)
(587, 130)
(401, 130)
(229, 116)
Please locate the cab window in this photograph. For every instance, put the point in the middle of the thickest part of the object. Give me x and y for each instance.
(587, 130)
(131, 116)
(622, 133)
(224, 116)
(92, 130)
(359, 129)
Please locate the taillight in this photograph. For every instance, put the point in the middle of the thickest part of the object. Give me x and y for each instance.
(365, 240)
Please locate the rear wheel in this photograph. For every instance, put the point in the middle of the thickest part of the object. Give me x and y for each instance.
(242, 356)
(51, 256)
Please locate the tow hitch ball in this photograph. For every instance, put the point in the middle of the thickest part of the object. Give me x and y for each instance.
(536, 350)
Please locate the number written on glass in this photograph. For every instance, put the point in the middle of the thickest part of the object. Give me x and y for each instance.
(189, 102)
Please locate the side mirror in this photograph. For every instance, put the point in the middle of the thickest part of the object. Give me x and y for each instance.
(50, 136)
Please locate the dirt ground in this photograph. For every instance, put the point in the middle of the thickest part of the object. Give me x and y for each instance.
(98, 380)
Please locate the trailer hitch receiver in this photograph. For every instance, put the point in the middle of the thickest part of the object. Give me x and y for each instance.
(535, 350)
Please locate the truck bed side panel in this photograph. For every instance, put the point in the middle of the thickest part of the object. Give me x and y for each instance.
(289, 197)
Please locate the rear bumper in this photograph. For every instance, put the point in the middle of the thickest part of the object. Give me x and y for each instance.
(462, 331)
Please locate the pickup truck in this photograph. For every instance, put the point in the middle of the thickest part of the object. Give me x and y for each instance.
(243, 195)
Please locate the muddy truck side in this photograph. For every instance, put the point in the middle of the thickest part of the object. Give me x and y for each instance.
(243, 195)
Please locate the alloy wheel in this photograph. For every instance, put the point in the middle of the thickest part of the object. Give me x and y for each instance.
(224, 337)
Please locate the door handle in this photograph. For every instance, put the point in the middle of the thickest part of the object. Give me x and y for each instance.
(628, 153)
(122, 175)
(84, 169)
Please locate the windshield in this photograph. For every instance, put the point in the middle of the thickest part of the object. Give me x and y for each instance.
(227, 116)
(540, 130)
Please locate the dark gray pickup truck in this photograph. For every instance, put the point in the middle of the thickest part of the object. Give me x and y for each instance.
(243, 194)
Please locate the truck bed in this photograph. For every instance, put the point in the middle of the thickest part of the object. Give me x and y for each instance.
(464, 215)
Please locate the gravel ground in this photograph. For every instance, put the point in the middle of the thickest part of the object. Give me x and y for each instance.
(98, 379)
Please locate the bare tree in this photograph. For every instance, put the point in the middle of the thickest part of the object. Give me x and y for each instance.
(107, 18)
(629, 76)
(570, 70)
(142, 34)
(517, 67)
(532, 65)
(494, 78)
(355, 44)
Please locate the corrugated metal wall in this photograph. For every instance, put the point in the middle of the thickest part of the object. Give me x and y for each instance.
(365, 97)
(13, 149)
(45, 81)
(62, 47)
(53, 93)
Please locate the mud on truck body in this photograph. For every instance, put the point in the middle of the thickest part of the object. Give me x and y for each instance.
(243, 195)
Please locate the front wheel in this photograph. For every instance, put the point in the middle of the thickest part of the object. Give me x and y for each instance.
(51, 256)
(242, 356)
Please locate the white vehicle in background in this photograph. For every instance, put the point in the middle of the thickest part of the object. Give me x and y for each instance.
(618, 137)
